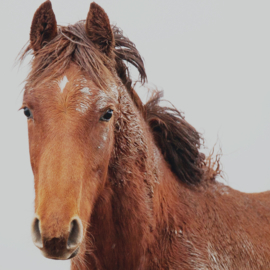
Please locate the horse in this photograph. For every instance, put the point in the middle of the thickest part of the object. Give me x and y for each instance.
(120, 184)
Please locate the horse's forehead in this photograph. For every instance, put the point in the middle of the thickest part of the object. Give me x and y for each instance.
(76, 81)
(73, 89)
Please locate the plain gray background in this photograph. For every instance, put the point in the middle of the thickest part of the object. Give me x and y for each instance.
(212, 60)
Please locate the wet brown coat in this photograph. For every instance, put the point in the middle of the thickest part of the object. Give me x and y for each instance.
(148, 199)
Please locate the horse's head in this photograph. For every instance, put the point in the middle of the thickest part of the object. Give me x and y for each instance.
(72, 108)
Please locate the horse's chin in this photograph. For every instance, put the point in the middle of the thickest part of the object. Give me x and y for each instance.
(63, 257)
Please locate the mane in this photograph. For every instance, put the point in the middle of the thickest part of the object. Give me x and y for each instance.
(72, 45)
(178, 141)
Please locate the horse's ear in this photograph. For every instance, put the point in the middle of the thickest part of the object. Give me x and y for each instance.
(44, 26)
(99, 30)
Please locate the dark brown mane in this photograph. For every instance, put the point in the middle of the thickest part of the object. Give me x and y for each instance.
(178, 141)
(126, 51)
(70, 45)
(73, 45)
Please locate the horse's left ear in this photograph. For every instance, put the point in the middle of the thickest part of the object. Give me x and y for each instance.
(99, 30)
(44, 26)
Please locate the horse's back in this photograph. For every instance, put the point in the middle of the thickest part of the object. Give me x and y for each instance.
(240, 228)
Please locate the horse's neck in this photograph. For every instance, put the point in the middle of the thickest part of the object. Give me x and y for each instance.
(145, 216)
(128, 209)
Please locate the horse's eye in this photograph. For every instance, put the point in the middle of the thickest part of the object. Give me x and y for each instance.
(107, 116)
(27, 112)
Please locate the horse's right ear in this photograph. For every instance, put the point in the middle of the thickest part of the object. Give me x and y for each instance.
(44, 26)
(99, 30)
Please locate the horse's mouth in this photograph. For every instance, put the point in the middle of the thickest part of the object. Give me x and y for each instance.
(74, 254)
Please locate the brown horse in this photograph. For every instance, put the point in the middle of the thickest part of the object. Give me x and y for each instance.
(120, 184)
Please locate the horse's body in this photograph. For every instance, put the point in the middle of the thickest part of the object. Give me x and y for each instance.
(119, 184)
(214, 227)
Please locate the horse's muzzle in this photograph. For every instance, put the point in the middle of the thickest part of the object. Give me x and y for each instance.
(59, 248)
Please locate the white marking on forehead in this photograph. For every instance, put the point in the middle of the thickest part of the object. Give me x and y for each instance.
(62, 84)
(86, 90)
(102, 100)
(83, 80)
(82, 107)
(85, 103)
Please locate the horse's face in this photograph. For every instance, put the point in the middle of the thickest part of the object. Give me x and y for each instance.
(71, 124)
(71, 135)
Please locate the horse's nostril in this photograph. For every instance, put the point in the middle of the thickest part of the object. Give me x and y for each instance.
(36, 234)
(76, 233)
